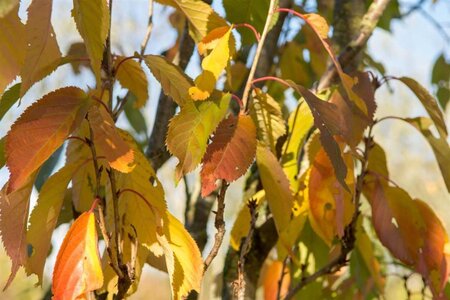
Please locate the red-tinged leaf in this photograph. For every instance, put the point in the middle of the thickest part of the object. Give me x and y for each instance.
(329, 123)
(429, 103)
(132, 77)
(40, 130)
(173, 81)
(13, 223)
(189, 131)
(119, 155)
(78, 269)
(272, 277)
(276, 185)
(42, 55)
(331, 207)
(211, 40)
(92, 20)
(12, 47)
(417, 238)
(230, 153)
(44, 218)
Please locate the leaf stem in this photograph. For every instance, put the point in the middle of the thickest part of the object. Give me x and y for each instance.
(253, 29)
(259, 48)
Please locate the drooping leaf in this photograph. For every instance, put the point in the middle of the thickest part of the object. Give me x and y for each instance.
(44, 218)
(212, 39)
(319, 23)
(42, 55)
(275, 183)
(78, 270)
(417, 238)
(213, 65)
(331, 207)
(189, 131)
(429, 103)
(272, 277)
(13, 223)
(329, 123)
(253, 12)
(183, 259)
(230, 152)
(173, 80)
(12, 46)
(108, 141)
(267, 115)
(440, 146)
(236, 74)
(293, 66)
(8, 99)
(40, 130)
(132, 77)
(300, 122)
(202, 18)
(134, 115)
(92, 20)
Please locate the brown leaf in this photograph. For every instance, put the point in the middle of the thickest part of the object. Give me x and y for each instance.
(230, 153)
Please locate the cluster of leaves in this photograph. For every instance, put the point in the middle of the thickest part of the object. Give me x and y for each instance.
(313, 168)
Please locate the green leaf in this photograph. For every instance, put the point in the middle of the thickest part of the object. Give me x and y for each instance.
(42, 55)
(253, 12)
(134, 115)
(230, 152)
(266, 113)
(276, 185)
(44, 217)
(189, 131)
(429, 103)
(8, 99)
(92, 20)
(12, 47)
(40, 130)
(47, 168)
(132, 77)
(202, 18)
(173, 80)
(439, 146)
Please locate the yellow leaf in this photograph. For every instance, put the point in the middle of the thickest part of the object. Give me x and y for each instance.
(132, 77)
(92, 20)
(12, 46)
(212, 66)
(319, 23)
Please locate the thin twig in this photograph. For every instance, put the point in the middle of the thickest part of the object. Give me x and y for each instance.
(436, 24)
(240, 282)
(283, 273)
(149, 29)
(368, 25)
(188, 199)
(219, 223)
(248, 85)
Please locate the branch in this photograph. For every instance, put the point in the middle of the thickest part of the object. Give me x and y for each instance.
(259, 48)
(219, 223)
(368, 24)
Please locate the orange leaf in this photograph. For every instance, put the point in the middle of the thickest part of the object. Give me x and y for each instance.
(119, 155)
(78, 268)
(331, 207)
(230, 153)
(272, 277)
(40, 130)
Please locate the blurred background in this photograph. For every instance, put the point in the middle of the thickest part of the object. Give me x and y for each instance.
(410, 45)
